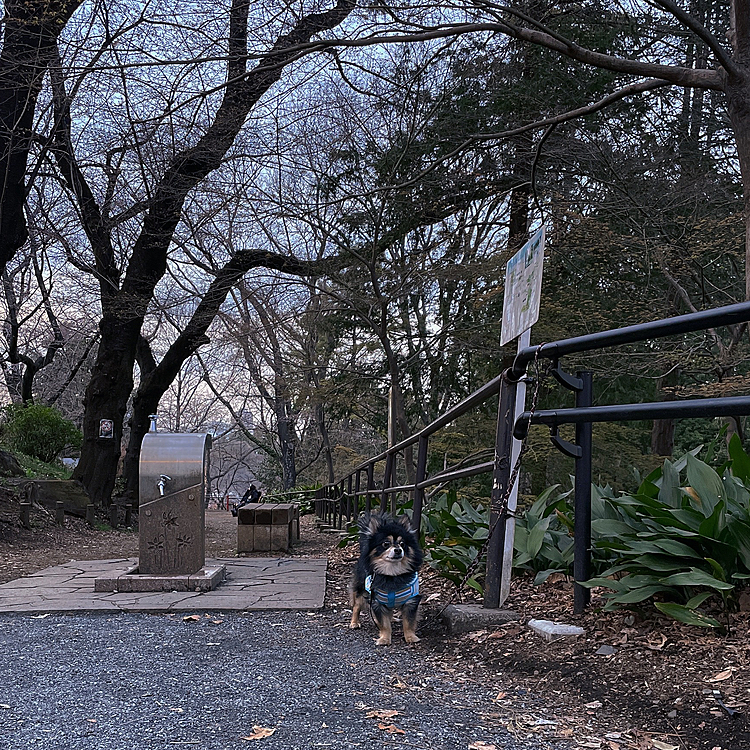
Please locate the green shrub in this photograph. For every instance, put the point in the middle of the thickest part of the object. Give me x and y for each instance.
(39, 431)
(681, 544)
(455, 533)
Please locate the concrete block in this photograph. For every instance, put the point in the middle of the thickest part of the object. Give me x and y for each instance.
(282, 513)
(463, 618)
(245, 538)
(262, 538)
(280, 538)
(246, 514)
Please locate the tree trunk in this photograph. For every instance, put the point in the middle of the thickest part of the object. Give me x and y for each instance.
(112, 378)
(30, 31)
(106, 398)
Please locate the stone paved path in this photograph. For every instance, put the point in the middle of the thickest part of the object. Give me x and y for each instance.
(251, 584)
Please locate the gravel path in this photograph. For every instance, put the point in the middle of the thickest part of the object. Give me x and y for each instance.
(144, 681)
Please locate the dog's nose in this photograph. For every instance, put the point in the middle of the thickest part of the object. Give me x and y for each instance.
(398, 553)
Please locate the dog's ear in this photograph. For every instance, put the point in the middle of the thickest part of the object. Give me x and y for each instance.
(368, 524)
(405, 521)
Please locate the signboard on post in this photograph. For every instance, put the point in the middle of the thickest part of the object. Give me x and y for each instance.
(523, 289)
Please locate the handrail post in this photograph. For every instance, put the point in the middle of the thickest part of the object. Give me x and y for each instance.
(357, 487)
(387, 477)
(582, 501)
(370, 485)
(416, 516)
(500, 479)
(349, 503)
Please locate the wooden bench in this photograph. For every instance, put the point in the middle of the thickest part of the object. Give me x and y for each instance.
(267, 527)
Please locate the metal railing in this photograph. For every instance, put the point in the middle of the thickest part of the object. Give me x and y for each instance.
(355, 491)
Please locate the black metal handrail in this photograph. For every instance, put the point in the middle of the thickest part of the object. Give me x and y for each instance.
(679, 324)
(728, 406)
(341, 499)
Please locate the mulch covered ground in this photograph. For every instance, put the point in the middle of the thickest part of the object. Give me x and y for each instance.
(632, 682)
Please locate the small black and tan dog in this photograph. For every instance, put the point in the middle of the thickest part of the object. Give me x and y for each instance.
(386, 572)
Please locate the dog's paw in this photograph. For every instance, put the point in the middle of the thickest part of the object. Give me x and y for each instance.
(354, 625)
(383, 641)
(411, 638)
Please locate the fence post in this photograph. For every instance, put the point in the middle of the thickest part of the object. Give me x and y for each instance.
(387, 481)
(416, 516)
(582, 501)
(500, 478)
(370, 485)
(349, 499)
(357, 487)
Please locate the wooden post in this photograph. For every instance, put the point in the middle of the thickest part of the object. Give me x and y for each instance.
(500, 479)
(113, 515)
(60, 513)
(90, 515)
(128, 515)
(416, 516)
(26, 515)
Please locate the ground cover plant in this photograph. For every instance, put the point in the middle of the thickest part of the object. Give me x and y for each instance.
(680, 542)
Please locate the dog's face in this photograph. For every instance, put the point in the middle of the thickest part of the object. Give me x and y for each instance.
(392, 547)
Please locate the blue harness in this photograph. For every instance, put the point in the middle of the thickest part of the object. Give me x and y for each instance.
(393, 599)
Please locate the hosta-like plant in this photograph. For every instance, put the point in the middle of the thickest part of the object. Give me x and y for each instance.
(683, 538)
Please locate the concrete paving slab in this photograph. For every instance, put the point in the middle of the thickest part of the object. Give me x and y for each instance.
(251, 583)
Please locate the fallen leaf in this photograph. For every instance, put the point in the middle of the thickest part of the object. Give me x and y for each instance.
(479, 745)
(391, 729)
(655, 645)
(191, 618)
(4, 705)
(259, 733)
(664, 746)
(725, 675)
(380, 714)
(217, 622)
(594, 704)
(500, 696)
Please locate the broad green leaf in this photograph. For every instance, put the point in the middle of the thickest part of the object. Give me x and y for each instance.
(713, 525)
(740, 459)
(543, 575)
(608, 527)
(706, 482)
(686, 615)
(638, 595)
(670, 492)
(696, 577)
(660, 563)
(536, 536)
(607, 583)
(719, 571)
(698, 599)
(673, 547)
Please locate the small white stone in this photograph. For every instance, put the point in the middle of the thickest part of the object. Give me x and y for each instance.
(552, 631)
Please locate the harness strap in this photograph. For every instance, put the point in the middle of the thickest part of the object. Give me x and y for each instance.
(393, 598)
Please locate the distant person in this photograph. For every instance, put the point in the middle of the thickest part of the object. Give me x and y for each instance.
(252, 495)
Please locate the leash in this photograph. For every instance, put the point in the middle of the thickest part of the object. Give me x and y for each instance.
(502, 512)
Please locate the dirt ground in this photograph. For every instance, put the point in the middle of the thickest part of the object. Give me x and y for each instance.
(630, 683)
